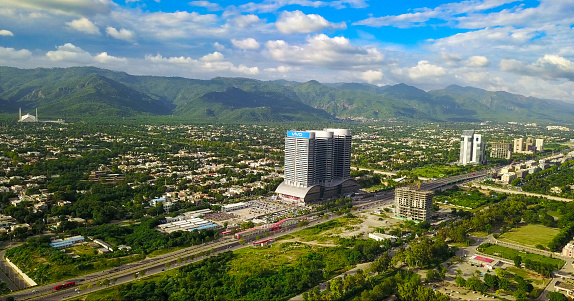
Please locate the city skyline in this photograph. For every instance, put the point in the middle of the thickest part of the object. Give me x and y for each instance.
(522, 47)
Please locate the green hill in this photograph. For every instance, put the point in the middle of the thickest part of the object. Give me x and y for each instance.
(99, 93)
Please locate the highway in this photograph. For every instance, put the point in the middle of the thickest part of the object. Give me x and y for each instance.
(172, 260)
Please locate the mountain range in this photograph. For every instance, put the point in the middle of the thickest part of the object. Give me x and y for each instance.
(88, 92)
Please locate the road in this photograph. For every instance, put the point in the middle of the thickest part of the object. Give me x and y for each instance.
(188, 255)
(510, 191)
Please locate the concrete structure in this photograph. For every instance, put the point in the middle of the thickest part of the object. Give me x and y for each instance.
(317, 166)
(472, 148)
(486, 262)
(412, 203)
(539, 145)
(501, 150)
(66, 243)
(530, 147)
(27, 117)
(235, 206)
(508, 177)
(381, 236)
(568, 250)
(565, 288)
(518, 142)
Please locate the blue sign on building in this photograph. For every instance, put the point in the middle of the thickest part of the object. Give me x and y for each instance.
(298, 134)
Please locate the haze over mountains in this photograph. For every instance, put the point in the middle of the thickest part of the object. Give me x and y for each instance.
(91, 92)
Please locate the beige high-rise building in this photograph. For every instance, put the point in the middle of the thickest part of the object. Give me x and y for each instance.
(518, 143)
(412, 203)
(539, 145)
(530, 145)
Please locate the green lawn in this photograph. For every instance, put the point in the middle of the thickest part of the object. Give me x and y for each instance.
(510, 254)
(530, 235)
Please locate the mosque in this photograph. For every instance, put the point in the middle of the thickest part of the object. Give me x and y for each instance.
(27, 117)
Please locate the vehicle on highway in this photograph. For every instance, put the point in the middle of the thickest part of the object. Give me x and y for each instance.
(65, 285)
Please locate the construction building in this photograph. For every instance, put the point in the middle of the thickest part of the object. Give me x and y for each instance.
(501, 150)
(412, 203)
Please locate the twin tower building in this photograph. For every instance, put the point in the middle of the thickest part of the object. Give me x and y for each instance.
(317, 166)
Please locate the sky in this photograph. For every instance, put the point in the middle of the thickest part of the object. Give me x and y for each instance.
(524, 47)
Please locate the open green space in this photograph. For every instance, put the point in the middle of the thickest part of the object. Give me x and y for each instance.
(510, 254)
(466, 198)
(530, 235)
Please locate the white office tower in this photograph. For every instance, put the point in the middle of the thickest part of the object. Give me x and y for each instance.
(539, 145)
(317, 165)
(472, 148)
(518, 143)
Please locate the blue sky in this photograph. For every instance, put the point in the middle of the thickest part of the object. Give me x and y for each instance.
(524, 47)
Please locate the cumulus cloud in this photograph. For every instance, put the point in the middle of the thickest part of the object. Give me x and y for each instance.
(206, 4)
(424, 69)
(11, 54)
(298, 22)
(84, 25)
(245, 20)
(69, 53)
(6, 33)
(122, 34)
(105, 58)
(477, 61)
(176, 25)
(247, 44)
(549, 66)
(334, 53)
(372, 76)
(74, 7)
(213, 62)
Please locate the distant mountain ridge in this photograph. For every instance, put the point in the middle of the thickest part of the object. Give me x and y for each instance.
(93, 92)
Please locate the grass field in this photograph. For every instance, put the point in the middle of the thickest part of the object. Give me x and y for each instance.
(509, 253)
(439, 171)
(530, 235)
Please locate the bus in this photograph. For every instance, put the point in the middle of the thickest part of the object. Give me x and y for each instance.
(65, 285)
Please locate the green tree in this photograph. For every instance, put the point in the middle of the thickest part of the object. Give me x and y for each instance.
(517, 261)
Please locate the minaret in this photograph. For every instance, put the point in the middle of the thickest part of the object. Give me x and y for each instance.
(20, 114)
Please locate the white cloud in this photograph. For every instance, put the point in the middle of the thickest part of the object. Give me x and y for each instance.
(11, 54)
(176, 25)
(321, 50)
(213, 57)
(105, 58)
(549, 66)
(247, 44)
(372, 76)
(424, 69)
(6, 33)
(69, 53)
(298, 22)
(218, 46)
(74, 7)
(211, 63)
(122, 34)
(444, 12)
(245, 20)
(206, 4)
(279, 69)
(477, 61)
(274, 5)
(84, 25)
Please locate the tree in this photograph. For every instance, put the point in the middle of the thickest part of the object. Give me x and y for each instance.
(518, 261)
(460, 281)
(555, 296)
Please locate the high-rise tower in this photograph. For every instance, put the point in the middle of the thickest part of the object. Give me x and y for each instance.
(317, 165)
(472, 148)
